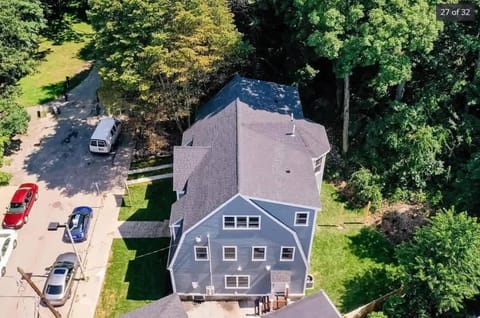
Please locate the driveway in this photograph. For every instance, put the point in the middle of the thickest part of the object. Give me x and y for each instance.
(54, 154)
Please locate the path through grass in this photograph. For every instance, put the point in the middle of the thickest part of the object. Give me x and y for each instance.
(354, 265)
(136, 275)
(57, 62)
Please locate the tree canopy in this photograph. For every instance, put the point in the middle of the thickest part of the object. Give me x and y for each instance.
(441, 267)
(164, 56)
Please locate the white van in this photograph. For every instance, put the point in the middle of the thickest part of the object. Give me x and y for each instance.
(105, 135)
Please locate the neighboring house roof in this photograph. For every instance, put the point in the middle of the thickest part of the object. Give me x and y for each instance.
(166, 307)
(247, 147)
(313, 306)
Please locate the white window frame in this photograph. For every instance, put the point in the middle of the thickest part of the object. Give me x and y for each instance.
(264, 254)
(302, 212)
(201, 259)
(229, 260)
(236, 281)
(248, 227)
(281, 253)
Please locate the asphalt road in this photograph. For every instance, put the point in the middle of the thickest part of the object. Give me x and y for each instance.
(54, 154)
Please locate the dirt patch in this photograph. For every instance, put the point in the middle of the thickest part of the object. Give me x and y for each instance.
(399, 221)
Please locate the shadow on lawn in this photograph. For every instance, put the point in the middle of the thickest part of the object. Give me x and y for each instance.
(55, 90)
(368, 286)
(160, 197)
(147, 275)
(377, 279)
(372, 244)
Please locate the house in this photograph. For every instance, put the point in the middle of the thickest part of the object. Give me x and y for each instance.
(247, 178)
(317, 305)
(167, 307)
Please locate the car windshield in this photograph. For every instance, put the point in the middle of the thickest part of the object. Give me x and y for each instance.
(76, 222)
(54, 289)
(16, 207)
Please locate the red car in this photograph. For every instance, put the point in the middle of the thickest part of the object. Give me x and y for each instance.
(20, 206)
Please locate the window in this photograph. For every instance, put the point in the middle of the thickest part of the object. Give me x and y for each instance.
(241, 222)
(301, 218)
(254, 222)
(228, 222)
(101, 143)
(201, 253)
(229, 253)
(259, 253)
(93, 143)
(287, 253)
(318, 164)
(237, 281)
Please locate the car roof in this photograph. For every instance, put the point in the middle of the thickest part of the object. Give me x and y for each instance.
(20, 194)
(57, 277)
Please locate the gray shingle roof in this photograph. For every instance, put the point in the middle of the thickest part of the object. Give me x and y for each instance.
(166, 307)
(247, 128)
(317, 305)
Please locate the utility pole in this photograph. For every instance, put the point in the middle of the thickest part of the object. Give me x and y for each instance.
(80, 262)
(39, 293)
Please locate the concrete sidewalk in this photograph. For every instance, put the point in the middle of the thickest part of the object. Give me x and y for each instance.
(142, 229)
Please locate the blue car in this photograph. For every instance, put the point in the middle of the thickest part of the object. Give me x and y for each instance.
(78, 223)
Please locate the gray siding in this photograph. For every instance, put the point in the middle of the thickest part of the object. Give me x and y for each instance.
(286, 215)
(272, 235)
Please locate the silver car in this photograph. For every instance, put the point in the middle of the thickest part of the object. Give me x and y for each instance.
(58, 287)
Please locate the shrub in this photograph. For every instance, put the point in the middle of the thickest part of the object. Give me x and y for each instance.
(364, 187)
(5, 178)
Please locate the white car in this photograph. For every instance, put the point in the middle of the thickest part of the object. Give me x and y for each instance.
(8, 241)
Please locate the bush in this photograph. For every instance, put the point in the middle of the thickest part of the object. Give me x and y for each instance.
(364, 187)
(378, 314)
(5, 178)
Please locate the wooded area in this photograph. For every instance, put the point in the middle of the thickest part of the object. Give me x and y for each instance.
(397, 90)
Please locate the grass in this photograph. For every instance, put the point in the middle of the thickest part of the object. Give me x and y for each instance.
(133, 280)
(150, 201)
(151, 162)
(354, 265)
(150, 173)
(57, 62)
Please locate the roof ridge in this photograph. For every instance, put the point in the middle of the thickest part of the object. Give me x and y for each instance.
(237, 168)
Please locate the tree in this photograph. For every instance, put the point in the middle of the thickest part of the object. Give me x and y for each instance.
(367, 33)
(166, 55)
(21, 21)
(441, 266)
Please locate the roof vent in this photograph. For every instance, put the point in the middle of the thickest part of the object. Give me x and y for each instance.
(287, 171)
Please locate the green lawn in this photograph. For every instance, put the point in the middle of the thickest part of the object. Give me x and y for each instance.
(57, 62)
(353, 265)
(133, 280)
(150, 201)
(151, 162)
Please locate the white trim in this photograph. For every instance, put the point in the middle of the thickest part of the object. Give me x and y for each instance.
(281, 253)
(236, 276)
(238, 295)
(264, 254)
(197, 224)
(223, 253)
(235, 221)
(172, 279)
(312, 235)
(301, 206)
(195, 247)
(294, 234)
(301, 212)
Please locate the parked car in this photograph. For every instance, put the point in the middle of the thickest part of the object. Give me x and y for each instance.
(20, 206)
(8, 242)
(58, 287)
(78, 223)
